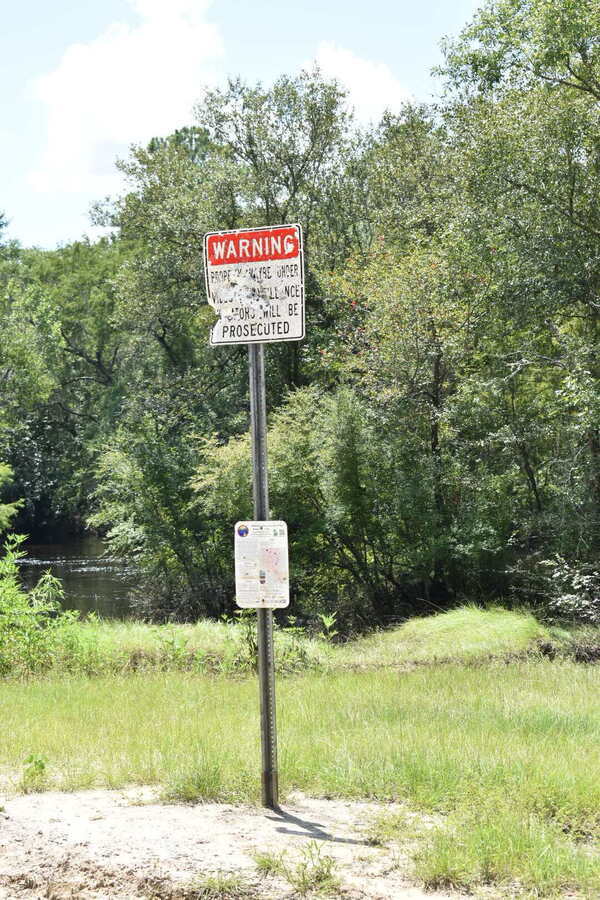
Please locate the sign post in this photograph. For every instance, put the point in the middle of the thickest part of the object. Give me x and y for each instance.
(266, 655)
(255, 282)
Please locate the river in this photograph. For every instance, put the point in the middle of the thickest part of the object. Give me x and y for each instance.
(93, 581)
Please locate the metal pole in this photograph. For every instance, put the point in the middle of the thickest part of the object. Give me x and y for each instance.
(266, 658)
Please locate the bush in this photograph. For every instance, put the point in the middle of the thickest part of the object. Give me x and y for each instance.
(562, 589)
(29, 620)
(575, 591)
(348, 497)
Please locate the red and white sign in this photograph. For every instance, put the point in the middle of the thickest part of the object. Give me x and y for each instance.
(255, 282)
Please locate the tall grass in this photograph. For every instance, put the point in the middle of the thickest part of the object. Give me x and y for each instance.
(470, 634)
(95, 647)
(501, 843)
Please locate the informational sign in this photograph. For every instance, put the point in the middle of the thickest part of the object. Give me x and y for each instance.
(255, 282)
(261, 565)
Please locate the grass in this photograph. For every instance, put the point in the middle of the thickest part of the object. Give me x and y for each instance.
(497, 844)
(468, 634)
(98, 647)
(389, 827)
(500, 745)
(313, 873)
(222, 886)
(465, 634)
(509, 751)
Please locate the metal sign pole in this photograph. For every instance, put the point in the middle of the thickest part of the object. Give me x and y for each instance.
(266, 657)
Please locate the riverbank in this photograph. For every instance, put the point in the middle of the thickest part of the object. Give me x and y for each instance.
(96, 647)
(489, 744)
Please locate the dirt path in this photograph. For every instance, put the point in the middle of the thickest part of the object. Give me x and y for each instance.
(125, 844)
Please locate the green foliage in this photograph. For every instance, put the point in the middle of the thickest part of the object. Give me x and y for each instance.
(293, 143)
(565, 591)
(524, 42)
(34, 777)
(327, 467)
(30, 622)
(62, 360)
(93, 647)
(329, 632)
(96, 648)
(436, 435)
(195, 141)
(7, 510)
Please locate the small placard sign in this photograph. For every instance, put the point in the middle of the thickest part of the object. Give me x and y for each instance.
(261, 565)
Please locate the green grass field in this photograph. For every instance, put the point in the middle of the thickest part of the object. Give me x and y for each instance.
(500, 745)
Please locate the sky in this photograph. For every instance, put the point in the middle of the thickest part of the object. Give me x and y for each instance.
(82, 81)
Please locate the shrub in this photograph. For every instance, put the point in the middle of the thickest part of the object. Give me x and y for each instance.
(563, 589)
(29, 620)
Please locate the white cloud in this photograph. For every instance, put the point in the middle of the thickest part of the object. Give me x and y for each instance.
(128, 84)
(372, 86)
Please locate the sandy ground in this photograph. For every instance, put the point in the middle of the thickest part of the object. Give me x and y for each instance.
(125, 844)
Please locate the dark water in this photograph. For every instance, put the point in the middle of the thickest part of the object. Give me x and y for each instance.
(92, 580)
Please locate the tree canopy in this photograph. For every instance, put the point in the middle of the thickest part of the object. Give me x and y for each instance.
(437, 434)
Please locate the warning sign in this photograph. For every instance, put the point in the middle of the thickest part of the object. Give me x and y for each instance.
(255, 282)
(261, 565)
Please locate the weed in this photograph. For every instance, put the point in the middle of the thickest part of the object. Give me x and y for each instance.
(329, 632)
(314, 872)
(390, 827)
(34, 774)
(268, 863)
(292, 652)
(220, 886)
(249, 637)
(241, 654)
(173, 649)
(29, 620)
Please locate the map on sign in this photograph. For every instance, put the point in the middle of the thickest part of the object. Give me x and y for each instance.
(255, 283)
(261, 565)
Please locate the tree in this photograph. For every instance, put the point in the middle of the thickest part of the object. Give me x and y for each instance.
(524, 43)
(527, 139)
(62, 363)
(195, 141)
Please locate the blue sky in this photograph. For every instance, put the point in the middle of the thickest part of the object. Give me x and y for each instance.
(84, 80)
